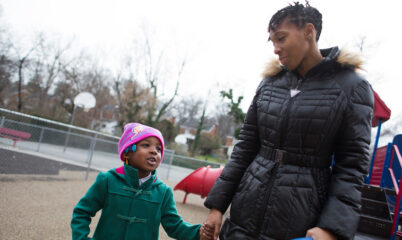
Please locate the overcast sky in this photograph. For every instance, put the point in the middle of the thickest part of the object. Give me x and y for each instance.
(225, 41)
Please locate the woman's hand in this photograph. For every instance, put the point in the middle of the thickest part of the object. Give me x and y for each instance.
(213, 221)
(320, 234)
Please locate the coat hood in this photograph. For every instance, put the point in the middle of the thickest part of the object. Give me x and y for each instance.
(343, 58)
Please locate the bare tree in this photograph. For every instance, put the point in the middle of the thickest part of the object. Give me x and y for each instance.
(225, 122)
(6, 64)
(49, 63)
(155, 68)
(364, 45)
(134, 101)
(22, 56)
(198, 134)
(71, 81)
(129, 92)
(96, 80)
(186, 109)
(6, 71)
(76, 75)
(141, 74)
(166, 104)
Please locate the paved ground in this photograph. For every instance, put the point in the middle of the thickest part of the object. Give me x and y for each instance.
(101, 161)
(37, 196)
(12, 162)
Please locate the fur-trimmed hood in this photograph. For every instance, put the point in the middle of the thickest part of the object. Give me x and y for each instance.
(342, 57)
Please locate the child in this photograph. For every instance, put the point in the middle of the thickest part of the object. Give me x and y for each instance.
(133, 200)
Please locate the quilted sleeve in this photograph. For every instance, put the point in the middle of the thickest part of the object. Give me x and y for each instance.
(341, 212)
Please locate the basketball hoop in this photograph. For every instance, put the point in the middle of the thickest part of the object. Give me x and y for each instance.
(85, 100)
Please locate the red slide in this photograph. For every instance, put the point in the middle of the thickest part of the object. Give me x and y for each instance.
(199, 182)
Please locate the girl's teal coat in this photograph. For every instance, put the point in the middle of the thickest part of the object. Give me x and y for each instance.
(130, 211)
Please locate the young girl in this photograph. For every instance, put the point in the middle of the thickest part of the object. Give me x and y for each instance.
(133, 200)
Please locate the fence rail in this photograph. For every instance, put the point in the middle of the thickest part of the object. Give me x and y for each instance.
(80, 146)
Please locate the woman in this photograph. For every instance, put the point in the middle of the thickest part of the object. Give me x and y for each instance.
(310, 106)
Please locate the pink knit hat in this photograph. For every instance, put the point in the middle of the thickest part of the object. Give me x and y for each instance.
(135, 132)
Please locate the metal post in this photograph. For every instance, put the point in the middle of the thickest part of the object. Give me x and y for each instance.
(90, 154)
(69, 128)
(170, 164)
(367, 180)
(40, 138)
(384, 176)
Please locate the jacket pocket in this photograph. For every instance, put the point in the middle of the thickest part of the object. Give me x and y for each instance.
(120, 193)
(305, 211)
(117, 198)
(251, 194)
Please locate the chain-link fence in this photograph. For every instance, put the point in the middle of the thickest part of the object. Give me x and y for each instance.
(80, 146)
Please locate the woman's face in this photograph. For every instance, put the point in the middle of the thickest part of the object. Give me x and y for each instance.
(290, 44)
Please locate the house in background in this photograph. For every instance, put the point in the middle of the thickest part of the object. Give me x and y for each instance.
(188, 131)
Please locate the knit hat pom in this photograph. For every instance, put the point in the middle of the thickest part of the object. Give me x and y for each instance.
(135, 132)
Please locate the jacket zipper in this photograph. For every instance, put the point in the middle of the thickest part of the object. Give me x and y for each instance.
(268, 194)
(285, 124)
(286, 117)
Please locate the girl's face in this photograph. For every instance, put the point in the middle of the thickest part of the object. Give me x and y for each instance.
(146, 157)
(290, 44)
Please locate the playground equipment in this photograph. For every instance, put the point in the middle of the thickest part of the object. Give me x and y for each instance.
(381, 198)
(381, 114)
(199, 182)
(381, 195)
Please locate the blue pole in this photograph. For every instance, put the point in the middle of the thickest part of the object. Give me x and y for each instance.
(386, 181)
(367, 181)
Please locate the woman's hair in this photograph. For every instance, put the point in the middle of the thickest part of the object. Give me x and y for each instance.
(299, 15)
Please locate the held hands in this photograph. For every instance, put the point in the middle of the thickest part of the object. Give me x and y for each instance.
(212, 225)
(320, 234)
(210, 229)
(207, 232)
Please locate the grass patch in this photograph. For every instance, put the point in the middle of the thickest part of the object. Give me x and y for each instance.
(192, 163)
(207, 158)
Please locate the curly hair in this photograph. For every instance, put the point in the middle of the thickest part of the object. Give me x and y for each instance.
(299, 15)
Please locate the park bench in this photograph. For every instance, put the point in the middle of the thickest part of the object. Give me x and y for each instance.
(14, 135)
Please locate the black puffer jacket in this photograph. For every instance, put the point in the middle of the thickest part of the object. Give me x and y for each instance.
(278, 179)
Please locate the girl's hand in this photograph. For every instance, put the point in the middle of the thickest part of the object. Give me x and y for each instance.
(207, 232)
(214, 220)
(320, 234)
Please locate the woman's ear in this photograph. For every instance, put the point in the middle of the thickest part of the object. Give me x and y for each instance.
(309, 31)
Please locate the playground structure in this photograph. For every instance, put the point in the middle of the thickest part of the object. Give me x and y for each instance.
(199, 182)
(381, 193)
